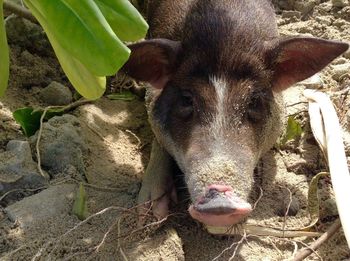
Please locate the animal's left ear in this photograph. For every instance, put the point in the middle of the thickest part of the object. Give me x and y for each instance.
(296, 59)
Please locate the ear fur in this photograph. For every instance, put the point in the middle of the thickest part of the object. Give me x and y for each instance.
(153, 61)
(296, 59)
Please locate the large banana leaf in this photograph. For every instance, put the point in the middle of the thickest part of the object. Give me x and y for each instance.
(124, 19)
(83, 80)
(80, 28)
(84, 35)
(4, 54)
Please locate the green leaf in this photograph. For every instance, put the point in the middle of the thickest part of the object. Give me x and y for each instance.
(124, 19)
(80, 208)
(83, 80)
(81, 30)
(4, 54)
(29, 119)
(313, 201)
(294, 130)
(124, 95)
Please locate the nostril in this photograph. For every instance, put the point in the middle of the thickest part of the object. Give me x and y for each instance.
(209, 196)
(220, 202)
(212, 193)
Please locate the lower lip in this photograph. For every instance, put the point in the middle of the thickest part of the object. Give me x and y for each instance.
(218, 220)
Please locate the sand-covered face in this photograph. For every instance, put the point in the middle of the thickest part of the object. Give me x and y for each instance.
(216, 131)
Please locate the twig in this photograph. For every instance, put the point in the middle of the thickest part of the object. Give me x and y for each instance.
(146, 226)
(57, 240)
(274, 246)
(257, 230)
(20, 11)
(135, 136)
(111, 189)
(21, 189)
(297, 103)
(238, 245)
(74, 105)
(119, 246)
(308, 247)
(303, 253)
(287, 210)
(8, 255)
(67, 108)
(106, 235)
(38, 156)
(260, 197)
(230, 247)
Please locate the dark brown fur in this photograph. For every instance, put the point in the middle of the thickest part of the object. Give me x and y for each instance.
(217, 68)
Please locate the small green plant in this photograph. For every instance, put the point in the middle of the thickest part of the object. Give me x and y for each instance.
(29, 119)
(80, 208)
(294, 130)
(87, 37)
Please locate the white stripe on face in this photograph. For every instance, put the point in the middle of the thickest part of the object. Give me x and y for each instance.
(220, 86)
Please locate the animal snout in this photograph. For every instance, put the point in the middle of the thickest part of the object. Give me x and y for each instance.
(220, 206)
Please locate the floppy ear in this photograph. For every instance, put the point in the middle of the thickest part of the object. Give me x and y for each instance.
(296, 59)
(152, 61)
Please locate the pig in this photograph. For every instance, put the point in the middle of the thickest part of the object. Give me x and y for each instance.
(216, 70)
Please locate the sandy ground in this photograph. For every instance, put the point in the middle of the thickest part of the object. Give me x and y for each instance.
(118, 138)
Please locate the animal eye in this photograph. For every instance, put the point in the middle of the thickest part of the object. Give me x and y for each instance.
(257, 109)
(186, 99)
(185, 105)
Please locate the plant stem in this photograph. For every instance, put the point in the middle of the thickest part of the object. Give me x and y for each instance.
(303, 253)
(20, 11)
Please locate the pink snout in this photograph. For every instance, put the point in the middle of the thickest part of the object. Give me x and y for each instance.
(220, 207)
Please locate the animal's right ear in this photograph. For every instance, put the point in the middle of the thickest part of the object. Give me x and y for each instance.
(152, 61)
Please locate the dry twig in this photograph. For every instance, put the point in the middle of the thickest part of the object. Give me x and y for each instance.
(303, 253)
(237, 244)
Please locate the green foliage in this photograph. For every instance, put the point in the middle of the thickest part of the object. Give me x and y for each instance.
(124, 95)
(80, 208)
(294, 130)
(125, 21)
(4, 54)
(313, 201)
(87, 38)
(29, 119)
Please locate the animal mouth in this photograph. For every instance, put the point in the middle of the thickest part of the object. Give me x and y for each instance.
(220, 207)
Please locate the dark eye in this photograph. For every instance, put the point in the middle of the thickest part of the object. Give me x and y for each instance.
(257, 108)
(185, 104)
(186, 99)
